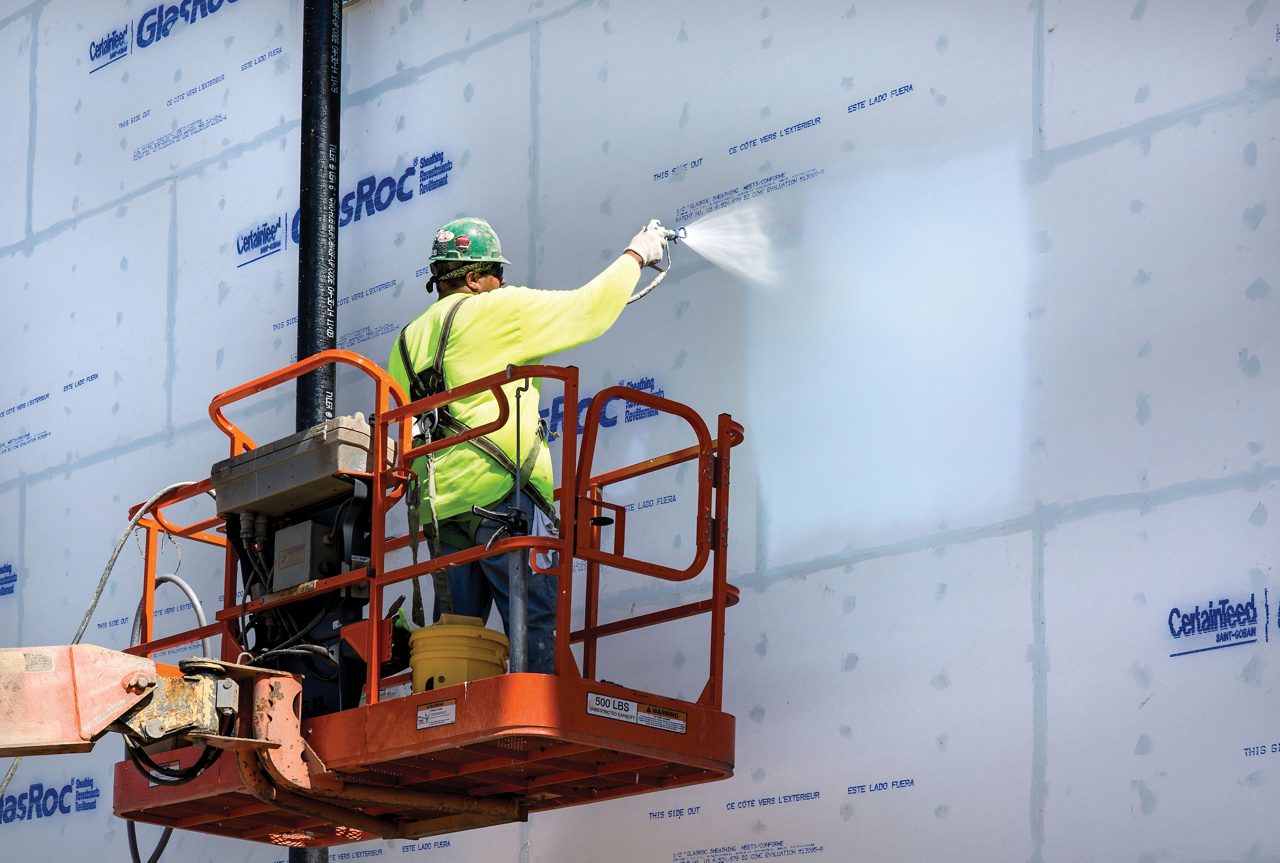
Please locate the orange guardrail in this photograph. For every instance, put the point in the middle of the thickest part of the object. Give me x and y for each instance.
(580, 493)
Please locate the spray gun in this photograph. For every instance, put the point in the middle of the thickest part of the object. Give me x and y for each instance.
(671, 235)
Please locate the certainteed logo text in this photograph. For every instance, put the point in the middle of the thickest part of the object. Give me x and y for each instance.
(1215, 624)
(156, 23)
(111, 47)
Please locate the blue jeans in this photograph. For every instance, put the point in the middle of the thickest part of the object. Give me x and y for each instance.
(476, 586)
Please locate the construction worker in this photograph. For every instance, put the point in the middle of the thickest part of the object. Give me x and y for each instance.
(488, 326)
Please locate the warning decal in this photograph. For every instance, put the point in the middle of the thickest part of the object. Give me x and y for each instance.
(662, 717)
(438, 713)
(649, 715)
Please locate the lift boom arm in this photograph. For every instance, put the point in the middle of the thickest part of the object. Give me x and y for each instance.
(61, 699)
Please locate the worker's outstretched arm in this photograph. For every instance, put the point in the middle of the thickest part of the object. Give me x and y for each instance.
(546, 322)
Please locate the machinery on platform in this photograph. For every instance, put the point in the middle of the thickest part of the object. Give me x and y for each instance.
(287, 736)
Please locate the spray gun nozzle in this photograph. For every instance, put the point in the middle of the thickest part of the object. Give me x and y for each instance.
(671, 235)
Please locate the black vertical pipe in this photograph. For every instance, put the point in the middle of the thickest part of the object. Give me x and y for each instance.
(318, 228)
(318, 194)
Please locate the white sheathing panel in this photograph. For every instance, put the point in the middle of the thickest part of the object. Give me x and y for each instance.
(846, 679)
(157, 102)
(94, 373)
(1170, 344)
(396, 43)
(919, 410)
(13, 8)
(1112, 66)
(751, 89)
(74, 808)
(443, 165)
(13, 566)
(228, 280)
(1009, 391)
(77, 517)
(1150, 731)
(950, 357)
(15, 106)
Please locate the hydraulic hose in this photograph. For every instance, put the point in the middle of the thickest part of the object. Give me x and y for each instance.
(160, 845)
(102, 585)
(115, 553)
(171, 578)
(84, 625)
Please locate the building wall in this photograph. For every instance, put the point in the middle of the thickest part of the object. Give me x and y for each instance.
(1004, 351)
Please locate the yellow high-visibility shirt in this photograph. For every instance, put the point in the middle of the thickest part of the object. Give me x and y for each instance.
(508, 326)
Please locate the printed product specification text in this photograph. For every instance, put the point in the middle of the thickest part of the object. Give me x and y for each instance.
(872, 101)
(771, 850)
(883, 785)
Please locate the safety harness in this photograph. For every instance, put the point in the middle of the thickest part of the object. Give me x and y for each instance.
(440, 423)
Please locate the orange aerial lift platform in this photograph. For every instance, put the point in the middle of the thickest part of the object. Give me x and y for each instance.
(239, 746)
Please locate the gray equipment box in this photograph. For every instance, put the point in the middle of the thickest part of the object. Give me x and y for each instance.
(286, 475)
(300, 551)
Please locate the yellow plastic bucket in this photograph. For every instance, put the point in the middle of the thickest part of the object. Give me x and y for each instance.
(453, 650)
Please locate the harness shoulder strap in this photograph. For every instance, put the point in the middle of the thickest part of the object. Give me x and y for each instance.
(430, 380)
(437, 364)
(416, 385)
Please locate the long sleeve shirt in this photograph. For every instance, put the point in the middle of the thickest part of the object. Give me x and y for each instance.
(510, 325)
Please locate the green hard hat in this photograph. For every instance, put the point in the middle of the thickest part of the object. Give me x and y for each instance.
(467, 239)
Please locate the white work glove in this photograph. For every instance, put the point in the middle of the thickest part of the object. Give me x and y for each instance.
(650, 243)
